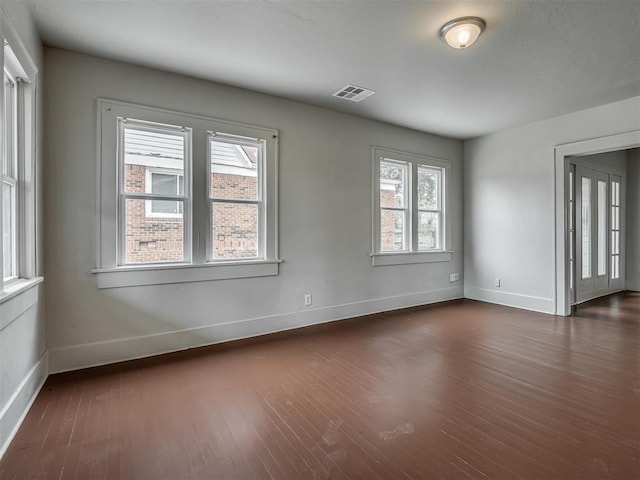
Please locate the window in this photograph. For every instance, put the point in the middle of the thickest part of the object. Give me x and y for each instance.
(17, 198)
(429, 208)
(9, 182)
(192, 192)
(154, 164)
(154, 158)
(409, 203)
(167, 183)
(394, 207)
(235, 198)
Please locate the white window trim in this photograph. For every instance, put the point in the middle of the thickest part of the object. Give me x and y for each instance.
(148, 205)
(158, 274)
(14, 289)
(440, 211)
(406, 208)
(412, 255)
(109, 272)
(121, 124)
(260, 201)
(23, 67)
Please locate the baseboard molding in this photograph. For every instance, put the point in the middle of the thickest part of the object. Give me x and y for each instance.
(16, 408)
(526, 302)
(102, 353)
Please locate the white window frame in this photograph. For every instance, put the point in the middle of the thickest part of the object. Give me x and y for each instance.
(148, 186)
(260, 200)
(440, 211)
(405, 209)
(411, 254)
(123, 195)
(20, 68)
(110, 270)
(10, 176)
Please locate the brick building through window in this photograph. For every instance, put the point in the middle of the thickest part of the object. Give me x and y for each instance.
(154, 163)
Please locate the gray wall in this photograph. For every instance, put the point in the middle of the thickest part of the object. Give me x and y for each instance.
(633, 220)
(23, 361)
(325, 221)
(509, 203)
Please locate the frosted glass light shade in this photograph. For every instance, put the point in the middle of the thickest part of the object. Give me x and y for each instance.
(462, 32)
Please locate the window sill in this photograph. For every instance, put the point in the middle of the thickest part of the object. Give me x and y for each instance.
(133, 276)
(15, 288)
(407, 258)
(16, 298)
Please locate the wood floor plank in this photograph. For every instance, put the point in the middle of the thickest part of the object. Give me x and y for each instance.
(457, 390)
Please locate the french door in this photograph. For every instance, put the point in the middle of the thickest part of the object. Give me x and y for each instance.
(596, 233)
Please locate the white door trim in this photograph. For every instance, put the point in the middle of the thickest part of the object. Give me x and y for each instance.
(610, 143)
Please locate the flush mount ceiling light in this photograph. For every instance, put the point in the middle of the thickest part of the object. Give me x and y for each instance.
(462, 32)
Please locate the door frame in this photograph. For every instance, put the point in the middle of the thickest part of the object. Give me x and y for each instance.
(611, 143)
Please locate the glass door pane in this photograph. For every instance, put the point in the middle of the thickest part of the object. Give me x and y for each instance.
(602, 228)
(615, 230)
(586, 227)
(572, 235)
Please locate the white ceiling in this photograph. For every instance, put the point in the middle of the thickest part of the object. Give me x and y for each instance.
(536, 59)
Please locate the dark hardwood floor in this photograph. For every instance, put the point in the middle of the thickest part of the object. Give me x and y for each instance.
(453, 390)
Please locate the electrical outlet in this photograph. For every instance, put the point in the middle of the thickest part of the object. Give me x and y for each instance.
(454, 277)
(307, 300)
(496, 282)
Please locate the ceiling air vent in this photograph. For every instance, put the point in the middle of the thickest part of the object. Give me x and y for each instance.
(353, 93)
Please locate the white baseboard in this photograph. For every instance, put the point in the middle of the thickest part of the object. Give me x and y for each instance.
(16, 408)
(101, 353)
(527, 302)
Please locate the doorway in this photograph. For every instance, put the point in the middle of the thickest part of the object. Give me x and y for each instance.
(596, 226)
(564, 258)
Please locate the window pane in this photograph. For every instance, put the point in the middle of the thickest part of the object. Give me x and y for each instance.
(145, 150)
(615, 218)
(615, 267)
(571, 274)
(570, 185)
(235, 230)
(602, 228)
(165, 184)
(586, 227)
(393, 181)
(428, 188)
(392, 230)
(615, 243)
(9, 157)
(162, 183)
(615, 193)
(164, 207)
(234, 171)
(428, 230)
(571, 215)
(151, 239)
(571, 247)
(8, 231)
